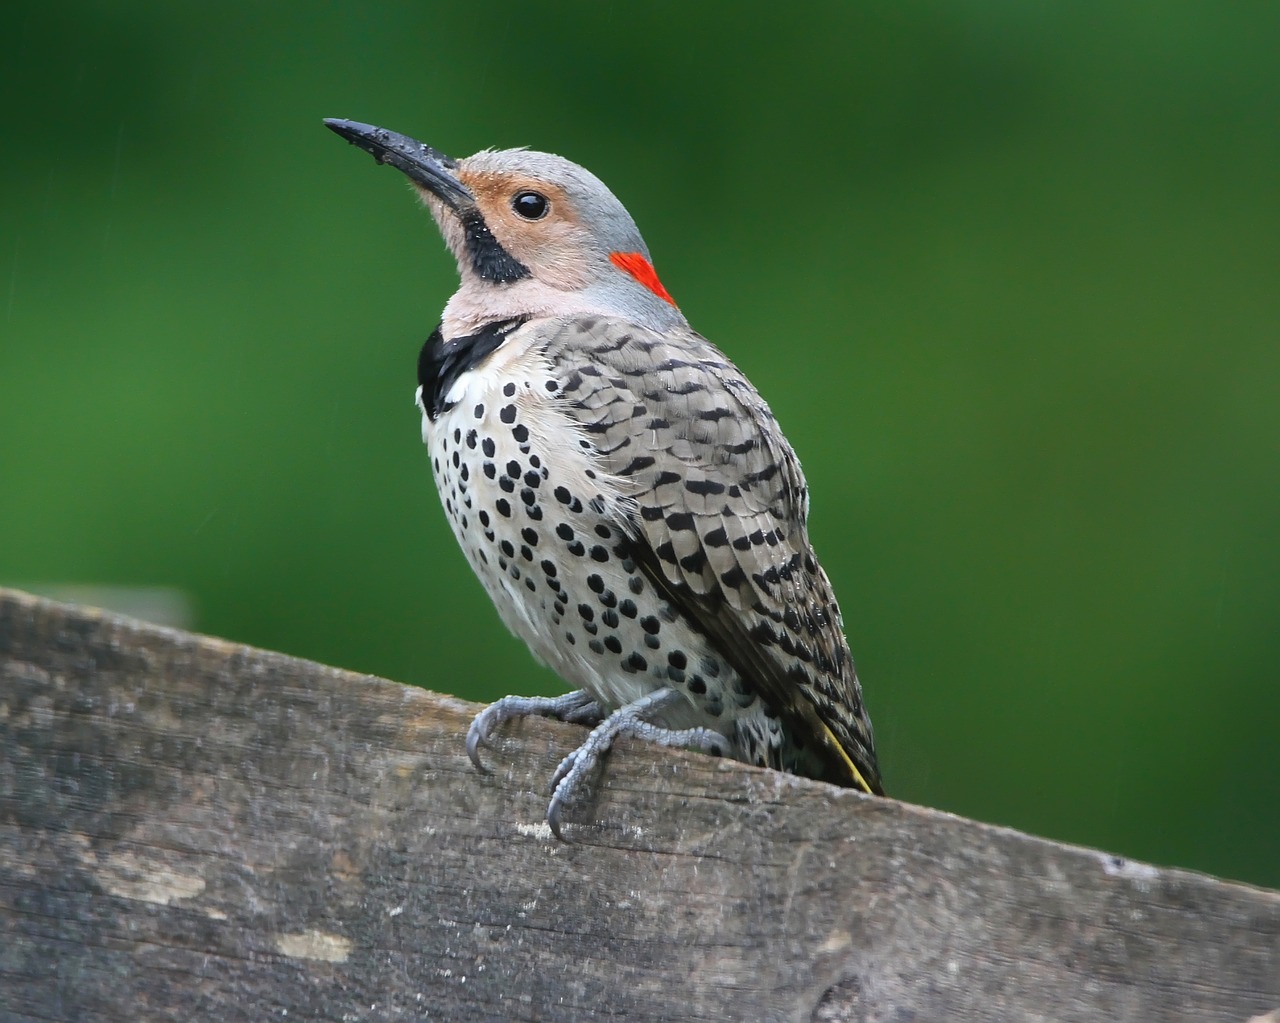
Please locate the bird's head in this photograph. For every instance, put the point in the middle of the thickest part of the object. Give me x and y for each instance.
(534, 234)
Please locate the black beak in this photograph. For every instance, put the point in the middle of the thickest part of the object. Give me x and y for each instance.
(421, 164)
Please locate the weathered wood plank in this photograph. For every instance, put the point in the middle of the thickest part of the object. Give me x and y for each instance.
(191, 829)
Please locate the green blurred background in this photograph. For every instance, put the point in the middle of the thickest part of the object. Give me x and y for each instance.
(1009, 274)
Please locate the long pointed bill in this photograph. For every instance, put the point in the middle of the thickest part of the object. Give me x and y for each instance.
(419, 162)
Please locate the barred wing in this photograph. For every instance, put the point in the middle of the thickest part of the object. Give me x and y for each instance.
(719, 520)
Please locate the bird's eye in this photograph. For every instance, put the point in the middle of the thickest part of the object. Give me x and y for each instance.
(530, 205)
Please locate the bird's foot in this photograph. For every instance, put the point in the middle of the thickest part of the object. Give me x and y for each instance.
(628, 720)
(576, 708)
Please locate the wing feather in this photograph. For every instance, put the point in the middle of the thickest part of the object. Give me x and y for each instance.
(719, 519)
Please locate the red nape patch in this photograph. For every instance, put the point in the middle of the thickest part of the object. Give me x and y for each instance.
(642, 270)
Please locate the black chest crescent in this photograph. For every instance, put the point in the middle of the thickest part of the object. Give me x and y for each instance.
(441, 362)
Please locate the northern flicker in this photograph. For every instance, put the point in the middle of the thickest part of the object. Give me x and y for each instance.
(624, 494)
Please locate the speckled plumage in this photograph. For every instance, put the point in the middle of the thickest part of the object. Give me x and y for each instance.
(638, 519)
(621, 490)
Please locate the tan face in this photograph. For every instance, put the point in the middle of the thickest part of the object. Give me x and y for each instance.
(534, 220)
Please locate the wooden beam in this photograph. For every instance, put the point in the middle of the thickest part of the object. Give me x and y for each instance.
(196, 830)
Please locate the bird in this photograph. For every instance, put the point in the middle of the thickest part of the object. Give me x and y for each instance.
(621, 490)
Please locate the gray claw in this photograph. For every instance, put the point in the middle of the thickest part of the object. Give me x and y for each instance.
(628, 720)
(576, 707)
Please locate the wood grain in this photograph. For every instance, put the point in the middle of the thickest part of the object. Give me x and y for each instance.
(196, 830)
